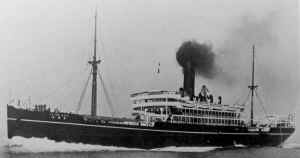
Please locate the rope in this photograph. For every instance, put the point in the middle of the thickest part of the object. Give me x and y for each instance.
(65, 85)
(109, 101)
(83, 93)
(261, 102)
(245, 100)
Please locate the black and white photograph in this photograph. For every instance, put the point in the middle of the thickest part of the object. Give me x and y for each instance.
(149, 79)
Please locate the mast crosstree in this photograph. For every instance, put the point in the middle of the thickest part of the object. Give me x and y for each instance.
(252, 87)
(94, 63)
(94, 74)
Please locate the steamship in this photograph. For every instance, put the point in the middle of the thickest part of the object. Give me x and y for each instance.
(159, 119)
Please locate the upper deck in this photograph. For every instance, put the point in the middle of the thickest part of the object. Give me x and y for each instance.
(152, 106)
(174, 98)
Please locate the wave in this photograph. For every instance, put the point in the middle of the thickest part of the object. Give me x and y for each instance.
(36, 145)
(291, 145)
(186, 149)
(3, 141)
(19, 144)
(239, 145)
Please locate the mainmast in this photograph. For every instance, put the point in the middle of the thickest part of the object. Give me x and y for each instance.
(94, 63)
(252, 87)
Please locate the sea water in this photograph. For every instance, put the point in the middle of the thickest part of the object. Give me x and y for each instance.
(19, 147)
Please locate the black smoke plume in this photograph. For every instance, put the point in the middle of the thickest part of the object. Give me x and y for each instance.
(199, 56)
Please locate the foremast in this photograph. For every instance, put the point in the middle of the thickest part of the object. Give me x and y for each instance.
(94, 63)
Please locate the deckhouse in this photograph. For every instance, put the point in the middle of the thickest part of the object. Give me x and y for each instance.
(171, 106)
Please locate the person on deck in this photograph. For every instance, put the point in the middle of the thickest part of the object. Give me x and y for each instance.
(204, 92)
(211, 98)
(219, 100)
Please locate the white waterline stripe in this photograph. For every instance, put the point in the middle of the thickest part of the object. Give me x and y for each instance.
(142, 129)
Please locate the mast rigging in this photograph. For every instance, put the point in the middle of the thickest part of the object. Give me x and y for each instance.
(252, 87)
(94, 63)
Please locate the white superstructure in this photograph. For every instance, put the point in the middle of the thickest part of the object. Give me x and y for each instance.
(172, 106)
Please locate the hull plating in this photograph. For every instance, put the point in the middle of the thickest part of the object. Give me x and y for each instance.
(136, 137)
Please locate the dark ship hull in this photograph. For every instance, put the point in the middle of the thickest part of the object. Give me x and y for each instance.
(74, 128)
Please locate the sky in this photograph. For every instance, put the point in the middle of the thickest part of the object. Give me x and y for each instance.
(45, 46)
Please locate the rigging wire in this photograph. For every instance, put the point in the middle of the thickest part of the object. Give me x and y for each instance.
(55, 91)
(65, 85)
(261, 102)
(245, 100)
(83, 93)
(109, 101)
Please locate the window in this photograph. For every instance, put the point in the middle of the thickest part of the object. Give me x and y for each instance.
(194, 120)
(172, 100)
(226, 122)
(159, 99)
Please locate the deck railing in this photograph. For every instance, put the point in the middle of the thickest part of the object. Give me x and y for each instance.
(275, 121)
(206, 120)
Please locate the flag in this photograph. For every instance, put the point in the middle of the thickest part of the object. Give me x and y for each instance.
(158, 69)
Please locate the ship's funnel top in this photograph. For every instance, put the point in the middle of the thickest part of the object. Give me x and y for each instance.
(195, 59)
(189, 79)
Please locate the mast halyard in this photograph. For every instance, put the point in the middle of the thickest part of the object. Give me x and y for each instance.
(94, 63)
(252, 87)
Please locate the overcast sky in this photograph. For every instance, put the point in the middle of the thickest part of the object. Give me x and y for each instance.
(45, 46)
